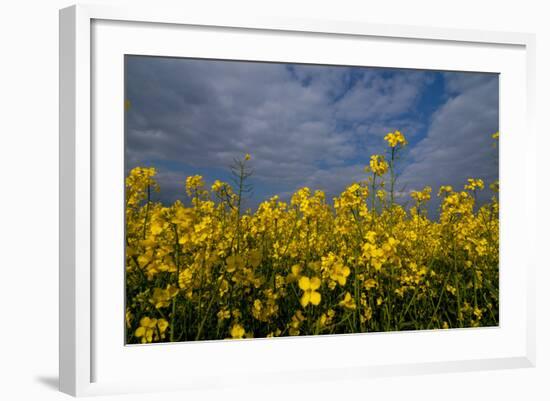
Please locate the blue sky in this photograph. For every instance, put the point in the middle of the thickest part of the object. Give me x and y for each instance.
(306, 125)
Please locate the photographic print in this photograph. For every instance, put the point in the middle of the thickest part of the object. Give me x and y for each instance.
(282, 199)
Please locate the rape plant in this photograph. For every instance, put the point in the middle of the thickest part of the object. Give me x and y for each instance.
(361, 263)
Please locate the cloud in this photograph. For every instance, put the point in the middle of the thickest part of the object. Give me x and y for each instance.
(382, 96)
(304, 125)
(458, 144)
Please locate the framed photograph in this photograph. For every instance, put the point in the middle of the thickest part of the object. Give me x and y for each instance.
(271, 200)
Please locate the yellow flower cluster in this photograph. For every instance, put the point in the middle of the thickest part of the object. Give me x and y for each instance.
(422, 196)
(395, 139)
(378, 165)
(474, 184)
(203, 268)
(150, 330)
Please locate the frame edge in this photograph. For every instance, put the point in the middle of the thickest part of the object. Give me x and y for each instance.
(74, 201)
(67, 112)
(530, 48)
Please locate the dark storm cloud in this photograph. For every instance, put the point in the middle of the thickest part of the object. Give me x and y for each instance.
(207, 113)
(304, 125)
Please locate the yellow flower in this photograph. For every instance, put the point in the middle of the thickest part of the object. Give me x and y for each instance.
(151, 329)
(340, 274)
(395, 138)
(295, 323)
(146, 329)
(162, 325)
(157, 227)
(347, 302)
(294, 274)
(275, 333)
(367, 314)
(444, 190)
(400, 291)
(255, 258)
(370, 236)
(247, 156)
(185, 278)
(478, 313)
(334, 266)
(237, 331)
(451, 289)
(129, 318)
(378, 164)
(474, 184)
(162, 297)
(370, 283)
(193, 184)
(258, 305)
(223, 314)
(309, 286)
(422, 196)
(217, 186)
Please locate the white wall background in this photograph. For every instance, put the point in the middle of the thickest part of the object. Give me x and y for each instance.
(29, 197)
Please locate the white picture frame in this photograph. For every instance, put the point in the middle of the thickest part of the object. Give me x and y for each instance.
(80, 183)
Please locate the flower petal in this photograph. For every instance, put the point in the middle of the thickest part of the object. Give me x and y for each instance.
(163, 325)
(315, 297)
(315, 283)
(304, 283)
(305, 298)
